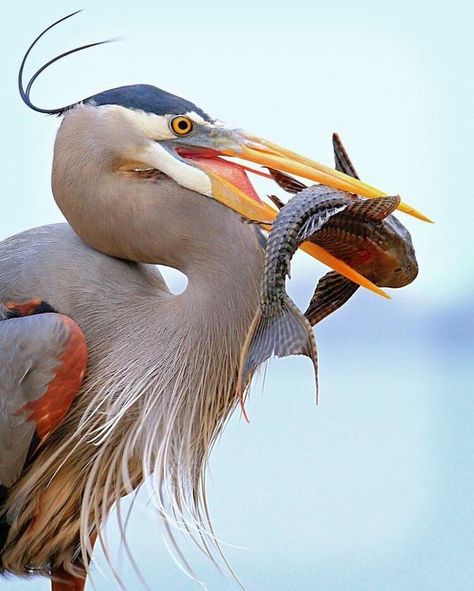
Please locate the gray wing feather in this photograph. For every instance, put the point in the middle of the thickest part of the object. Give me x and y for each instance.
(30, 352)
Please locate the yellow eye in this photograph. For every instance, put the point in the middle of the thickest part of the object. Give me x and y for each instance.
(181, 125)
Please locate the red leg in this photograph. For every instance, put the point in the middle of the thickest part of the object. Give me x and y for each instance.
(63, 581)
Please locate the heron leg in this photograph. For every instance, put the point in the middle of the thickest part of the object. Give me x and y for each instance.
(63, 581)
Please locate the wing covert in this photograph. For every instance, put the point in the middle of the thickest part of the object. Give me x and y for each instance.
(42, 363)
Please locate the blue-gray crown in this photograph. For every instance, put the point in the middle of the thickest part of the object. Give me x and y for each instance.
(147, 98)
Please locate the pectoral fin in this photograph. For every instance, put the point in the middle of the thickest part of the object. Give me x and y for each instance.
(374, 209)
(276, 201)
(333, 290)
(286, 182)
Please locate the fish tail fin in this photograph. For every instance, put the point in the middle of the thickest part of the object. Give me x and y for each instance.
(283, 333)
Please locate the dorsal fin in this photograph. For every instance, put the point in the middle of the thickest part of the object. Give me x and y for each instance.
(342, 160)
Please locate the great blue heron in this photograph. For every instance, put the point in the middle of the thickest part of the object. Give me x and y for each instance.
(131, 166)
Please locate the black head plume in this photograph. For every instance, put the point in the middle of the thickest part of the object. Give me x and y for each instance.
(25, 92)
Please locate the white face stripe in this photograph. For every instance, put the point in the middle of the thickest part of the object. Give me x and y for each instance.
(184, 174)
(197, 118)
(154, 127)
(157, 127)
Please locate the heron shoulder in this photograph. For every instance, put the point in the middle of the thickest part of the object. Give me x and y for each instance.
(51, 262)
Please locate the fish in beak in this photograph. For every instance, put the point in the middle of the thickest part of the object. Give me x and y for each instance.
(232, 187)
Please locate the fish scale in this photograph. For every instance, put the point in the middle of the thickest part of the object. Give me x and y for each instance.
(284, 237)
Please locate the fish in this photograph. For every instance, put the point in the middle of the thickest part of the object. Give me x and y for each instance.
(279, 328)
(379, 247)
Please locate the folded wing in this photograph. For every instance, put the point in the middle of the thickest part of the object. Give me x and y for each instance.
(43, 358)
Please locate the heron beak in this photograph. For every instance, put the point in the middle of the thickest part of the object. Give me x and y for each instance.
(261, 151)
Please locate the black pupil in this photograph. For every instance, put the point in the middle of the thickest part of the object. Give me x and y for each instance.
(183, 125)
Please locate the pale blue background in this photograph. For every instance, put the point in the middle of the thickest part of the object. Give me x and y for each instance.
(373, 490)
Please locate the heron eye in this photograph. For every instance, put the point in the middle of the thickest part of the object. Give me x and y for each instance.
(181, 125)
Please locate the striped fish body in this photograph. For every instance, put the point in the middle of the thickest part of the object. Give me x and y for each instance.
(303, 215)
(279, 328)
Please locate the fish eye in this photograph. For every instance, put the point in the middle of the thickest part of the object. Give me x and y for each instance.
(397, 271)
(181, 125)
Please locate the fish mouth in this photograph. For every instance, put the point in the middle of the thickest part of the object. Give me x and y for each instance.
(407, 275)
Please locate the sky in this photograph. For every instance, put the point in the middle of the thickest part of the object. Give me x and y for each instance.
(372, 489)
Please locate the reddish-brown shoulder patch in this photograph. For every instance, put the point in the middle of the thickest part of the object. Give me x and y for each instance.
(25, 308)
(49, 411)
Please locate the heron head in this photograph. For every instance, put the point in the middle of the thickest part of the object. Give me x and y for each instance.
(172, 135)
(198, 152)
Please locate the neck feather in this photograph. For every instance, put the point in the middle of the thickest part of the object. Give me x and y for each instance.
(163, 371)
(174, 385)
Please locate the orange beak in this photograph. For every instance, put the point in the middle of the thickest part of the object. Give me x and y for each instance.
(271, 155)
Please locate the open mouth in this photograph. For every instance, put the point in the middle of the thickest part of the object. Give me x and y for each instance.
(212, 161)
